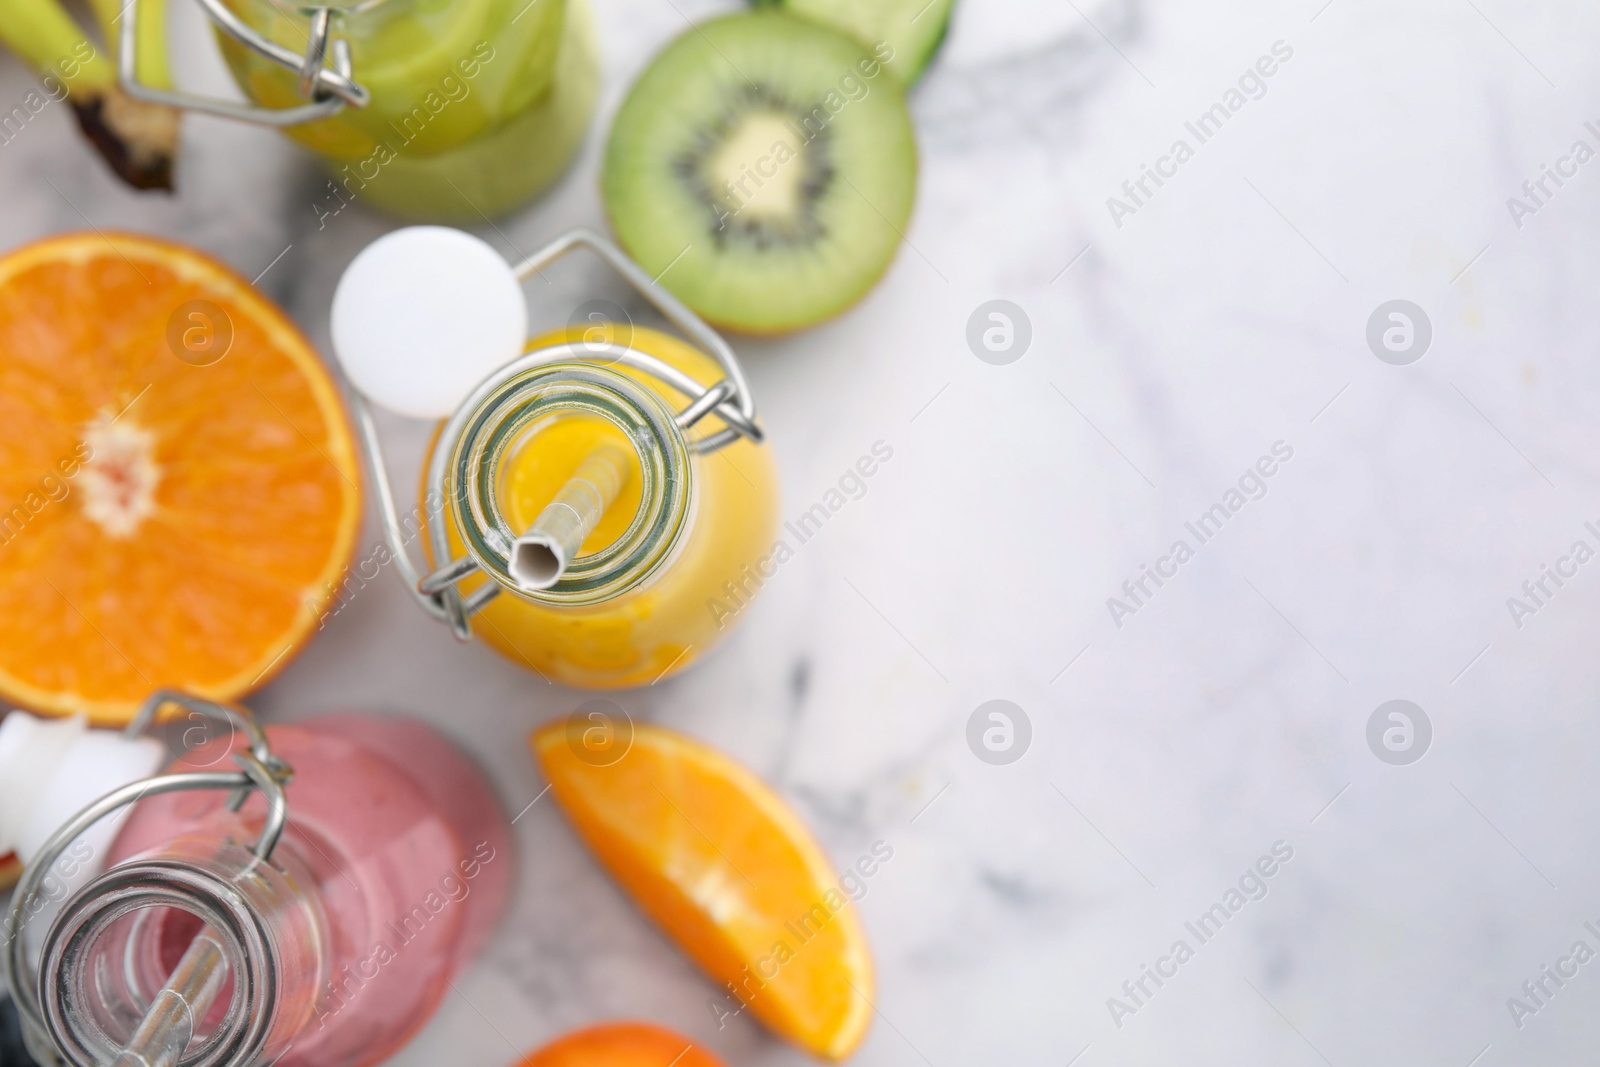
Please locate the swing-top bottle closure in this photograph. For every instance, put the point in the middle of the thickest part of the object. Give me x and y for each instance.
(327, 89)
(486, 428)
(492, 431)
(78, 1005)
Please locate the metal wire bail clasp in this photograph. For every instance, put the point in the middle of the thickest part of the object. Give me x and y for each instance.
(327, 88)
(729, 399)
(259, 770)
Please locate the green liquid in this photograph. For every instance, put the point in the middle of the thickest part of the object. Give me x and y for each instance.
(477, 105)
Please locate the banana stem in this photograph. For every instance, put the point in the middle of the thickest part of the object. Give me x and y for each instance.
(139, 140)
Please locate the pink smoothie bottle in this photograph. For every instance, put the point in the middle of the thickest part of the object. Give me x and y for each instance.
(318, 925)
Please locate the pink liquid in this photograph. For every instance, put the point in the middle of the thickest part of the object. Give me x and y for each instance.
(400, 839)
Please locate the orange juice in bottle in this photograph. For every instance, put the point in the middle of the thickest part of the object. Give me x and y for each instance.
(598, 503)
(649, 589)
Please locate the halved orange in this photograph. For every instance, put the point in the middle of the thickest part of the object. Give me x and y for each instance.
(622, 1044)
(728, 871)
(179, 489)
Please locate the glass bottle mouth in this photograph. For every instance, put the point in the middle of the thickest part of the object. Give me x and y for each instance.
(108, 953)
(504, 414)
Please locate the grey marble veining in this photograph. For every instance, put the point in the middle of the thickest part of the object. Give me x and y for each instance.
(1170, 352)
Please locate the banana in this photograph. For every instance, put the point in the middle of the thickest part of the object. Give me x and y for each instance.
(48, 39)
(150, 37)
(138, 140)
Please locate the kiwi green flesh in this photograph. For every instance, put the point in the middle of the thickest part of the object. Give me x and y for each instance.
(906, 34)
(763, 168)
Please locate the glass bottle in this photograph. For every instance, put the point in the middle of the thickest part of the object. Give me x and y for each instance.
(670, 563)
(387, 862)
(451, 109)
(601, 507)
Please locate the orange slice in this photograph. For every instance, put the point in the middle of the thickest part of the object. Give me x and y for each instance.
(622, 1045)
(727, 870)
(178, 484)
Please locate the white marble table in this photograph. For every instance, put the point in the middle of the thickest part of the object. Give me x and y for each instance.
(1228, 311)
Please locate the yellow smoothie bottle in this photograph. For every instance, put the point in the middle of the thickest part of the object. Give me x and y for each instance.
(597, 507)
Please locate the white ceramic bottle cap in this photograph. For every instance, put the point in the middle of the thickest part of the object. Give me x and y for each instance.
(422, 315)
(51, 769)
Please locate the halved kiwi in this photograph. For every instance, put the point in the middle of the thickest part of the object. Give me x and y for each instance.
(763, 168)
(912, 30)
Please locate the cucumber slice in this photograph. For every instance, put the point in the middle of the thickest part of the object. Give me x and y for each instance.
(912, 29)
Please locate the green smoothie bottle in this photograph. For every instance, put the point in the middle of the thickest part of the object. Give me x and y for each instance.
(441, 110)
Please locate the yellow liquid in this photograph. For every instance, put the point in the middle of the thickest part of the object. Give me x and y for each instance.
(662, 626)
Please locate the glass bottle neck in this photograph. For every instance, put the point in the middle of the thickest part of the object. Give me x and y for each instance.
(231, 950)
(509, 420)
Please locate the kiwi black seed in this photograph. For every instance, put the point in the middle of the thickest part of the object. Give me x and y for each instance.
(763, 168)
